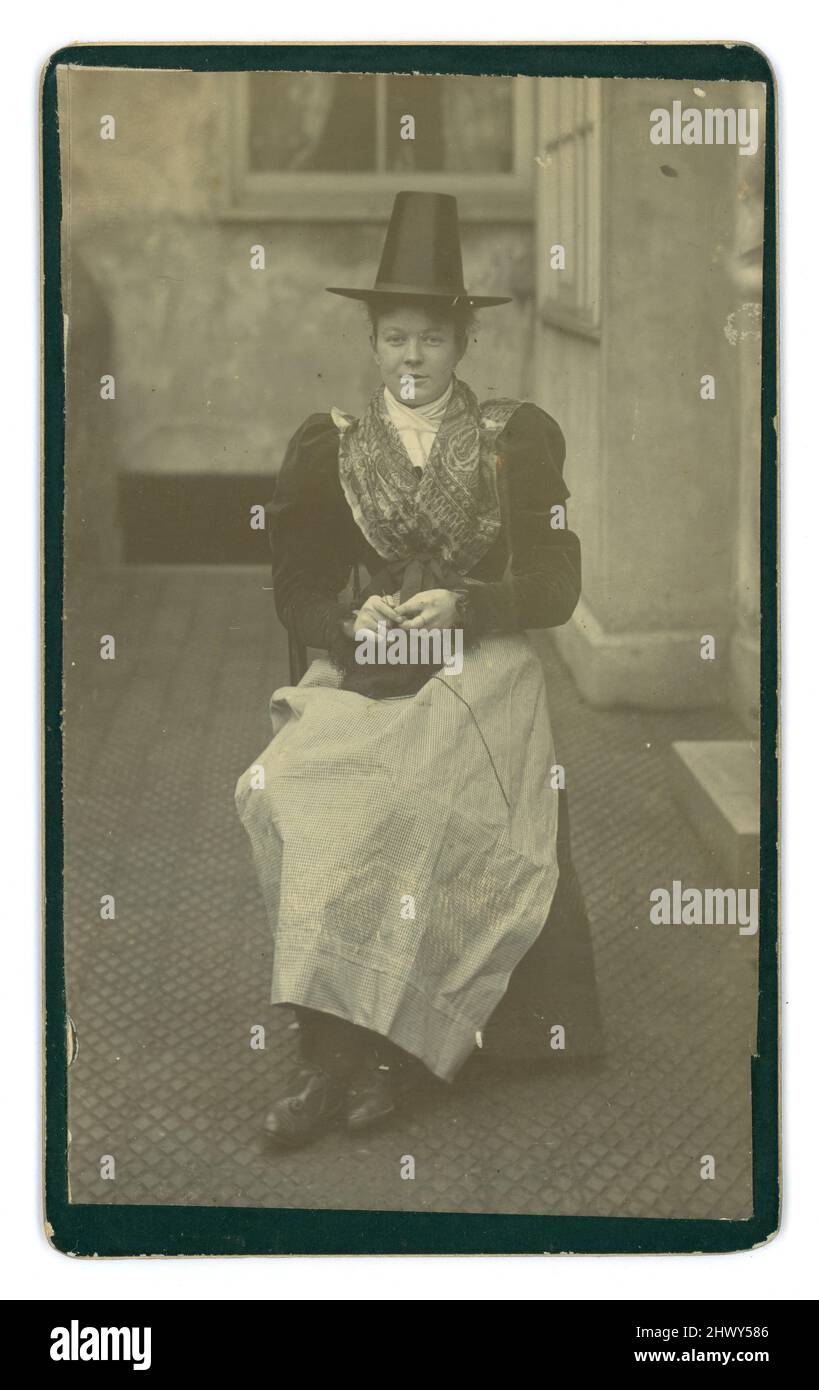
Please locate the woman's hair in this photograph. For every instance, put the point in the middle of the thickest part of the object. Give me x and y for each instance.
(461, 316)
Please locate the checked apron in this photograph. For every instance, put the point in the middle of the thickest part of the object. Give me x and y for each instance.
(406, 847)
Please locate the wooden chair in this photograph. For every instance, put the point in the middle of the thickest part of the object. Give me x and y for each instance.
(296, 649)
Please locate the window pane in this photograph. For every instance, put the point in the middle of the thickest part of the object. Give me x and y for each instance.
(569, 193)
(319, 121)
(462, 124)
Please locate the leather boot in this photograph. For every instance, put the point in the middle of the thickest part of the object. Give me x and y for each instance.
(307, 1110)
(373, 1095)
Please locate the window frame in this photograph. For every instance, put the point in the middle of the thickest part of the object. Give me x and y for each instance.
(361, 197)
(580, 314)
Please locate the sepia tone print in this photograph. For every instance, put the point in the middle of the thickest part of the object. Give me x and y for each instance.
(412, 640)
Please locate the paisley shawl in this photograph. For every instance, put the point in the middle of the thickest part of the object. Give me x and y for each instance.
(452, 512)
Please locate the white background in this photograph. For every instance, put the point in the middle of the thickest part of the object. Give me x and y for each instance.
(786, 1268)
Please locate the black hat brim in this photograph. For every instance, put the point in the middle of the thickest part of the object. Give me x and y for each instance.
(475, 301)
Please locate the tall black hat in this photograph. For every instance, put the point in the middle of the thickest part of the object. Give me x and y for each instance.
(422, 255)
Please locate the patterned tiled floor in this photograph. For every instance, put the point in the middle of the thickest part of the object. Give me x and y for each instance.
(164, 997)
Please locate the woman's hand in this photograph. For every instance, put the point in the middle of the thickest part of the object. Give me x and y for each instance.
(376, 610)
(434, 608)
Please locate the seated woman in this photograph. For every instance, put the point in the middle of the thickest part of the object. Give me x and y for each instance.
(404, 818)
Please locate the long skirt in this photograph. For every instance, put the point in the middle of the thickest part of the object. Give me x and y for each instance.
(406, 848)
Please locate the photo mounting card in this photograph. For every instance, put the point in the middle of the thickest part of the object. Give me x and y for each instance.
(410, 486)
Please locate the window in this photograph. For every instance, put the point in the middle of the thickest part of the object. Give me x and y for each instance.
(568, 161)
(309, 145)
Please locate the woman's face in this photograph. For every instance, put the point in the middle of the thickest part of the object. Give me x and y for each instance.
(414, 344)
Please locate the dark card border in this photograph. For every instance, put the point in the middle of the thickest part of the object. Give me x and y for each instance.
(92, 1229)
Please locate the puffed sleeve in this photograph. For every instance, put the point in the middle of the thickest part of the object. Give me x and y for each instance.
(541, 586)
(306, 536)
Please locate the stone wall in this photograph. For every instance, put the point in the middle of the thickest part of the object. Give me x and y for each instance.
(656, 472)
(217, 364)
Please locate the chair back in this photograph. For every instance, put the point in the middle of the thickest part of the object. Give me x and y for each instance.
(296, 649)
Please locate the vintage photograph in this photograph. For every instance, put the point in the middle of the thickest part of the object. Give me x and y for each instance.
(412, 605)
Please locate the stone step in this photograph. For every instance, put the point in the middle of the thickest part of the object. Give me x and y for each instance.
(717, 783)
